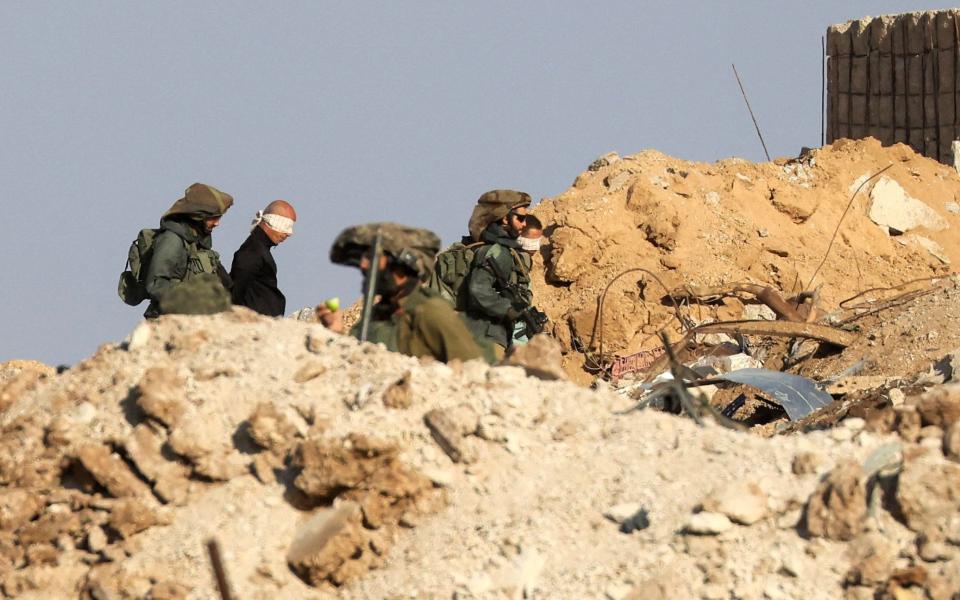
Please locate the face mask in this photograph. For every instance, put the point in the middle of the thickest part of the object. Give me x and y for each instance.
(529, 244)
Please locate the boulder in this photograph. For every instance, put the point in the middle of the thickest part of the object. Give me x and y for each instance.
(891, 207)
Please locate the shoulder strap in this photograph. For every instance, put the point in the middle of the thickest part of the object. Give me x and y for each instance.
(519, 262)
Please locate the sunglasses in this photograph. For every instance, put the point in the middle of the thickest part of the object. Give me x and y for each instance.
(521, 218)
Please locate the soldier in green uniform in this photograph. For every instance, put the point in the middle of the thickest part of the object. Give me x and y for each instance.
(408, 318)
(498, 285)
(183, 251)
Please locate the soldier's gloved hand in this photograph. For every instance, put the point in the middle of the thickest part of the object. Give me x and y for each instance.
(534, 319)
(512, 315)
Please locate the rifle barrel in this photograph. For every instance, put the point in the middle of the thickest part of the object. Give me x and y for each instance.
(375, 251)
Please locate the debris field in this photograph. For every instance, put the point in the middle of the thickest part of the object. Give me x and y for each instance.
(327, 468)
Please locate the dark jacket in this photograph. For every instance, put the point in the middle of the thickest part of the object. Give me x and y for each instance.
(180, 251)
(424, 324)
(488, 296)
(254, 274)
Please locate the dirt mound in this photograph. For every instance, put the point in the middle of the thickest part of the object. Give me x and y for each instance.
(321, 463)
(696, 226)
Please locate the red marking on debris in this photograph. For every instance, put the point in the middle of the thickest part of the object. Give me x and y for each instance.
(624, 365)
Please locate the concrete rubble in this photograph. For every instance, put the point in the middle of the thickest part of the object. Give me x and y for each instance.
(329, 468)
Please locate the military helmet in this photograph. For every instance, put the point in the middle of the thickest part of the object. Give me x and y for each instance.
(201, 201)
(411, 247)
(493, 206)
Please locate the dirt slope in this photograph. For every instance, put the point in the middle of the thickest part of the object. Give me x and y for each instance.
(698, 224)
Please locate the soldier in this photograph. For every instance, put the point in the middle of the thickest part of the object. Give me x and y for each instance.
(409, 318)
(182, 250)
(498, 285)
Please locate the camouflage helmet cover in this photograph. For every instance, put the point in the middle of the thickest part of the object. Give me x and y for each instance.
(201, 200)
(413, 247)
(493, 206)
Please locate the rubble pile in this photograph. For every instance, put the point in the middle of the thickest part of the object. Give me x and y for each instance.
(697, 226)
(325, 466)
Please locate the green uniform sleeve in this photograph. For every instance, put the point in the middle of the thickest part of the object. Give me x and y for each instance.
(168, 265)
(445, 334)
(484, 295)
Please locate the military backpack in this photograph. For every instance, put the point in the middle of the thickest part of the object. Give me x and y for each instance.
(132, 287)
(450, 272)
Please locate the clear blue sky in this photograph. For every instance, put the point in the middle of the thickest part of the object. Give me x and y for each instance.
(354, 112)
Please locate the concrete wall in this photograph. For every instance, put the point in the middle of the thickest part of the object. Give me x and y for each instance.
(896, 78)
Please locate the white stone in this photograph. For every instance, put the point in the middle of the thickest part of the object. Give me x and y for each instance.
(890, 206)
(758, 312)
(712, 198)
(841, 434)
(707, 523)
(955, 146)
(439, 477)
(953, 208)
(621, 513)
(140, 336)
(96, 539)
(854, 423)
(897, 397)
(617, 591)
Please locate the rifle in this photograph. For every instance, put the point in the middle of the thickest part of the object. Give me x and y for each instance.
(369, 294)
(534, 319)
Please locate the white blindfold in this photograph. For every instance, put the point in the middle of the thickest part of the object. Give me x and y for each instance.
(278, 223)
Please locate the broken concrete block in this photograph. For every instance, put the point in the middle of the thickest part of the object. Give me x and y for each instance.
(929, 497)
(112, 473)
(130, 516)
(743, 502)
(891, 207)
(145, 449)
(17, 507)
(222, 465)
(940, 406)
(838, 506)
(270, 428)
(193, 439)
(541, 357)
(314, 535)
(161, 395)
(449, 426)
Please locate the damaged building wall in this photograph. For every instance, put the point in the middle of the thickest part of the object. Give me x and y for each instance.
(896, 78)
